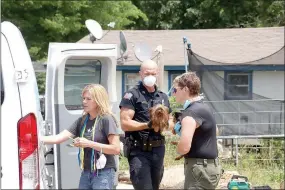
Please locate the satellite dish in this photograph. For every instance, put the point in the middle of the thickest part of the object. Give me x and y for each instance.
(123, 43)
(142, 51)
(95, 30)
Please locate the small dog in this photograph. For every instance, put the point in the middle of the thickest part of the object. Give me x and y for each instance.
(159, 117)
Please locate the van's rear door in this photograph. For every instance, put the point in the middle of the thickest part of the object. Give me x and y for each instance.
(70, 67)
(21, 120)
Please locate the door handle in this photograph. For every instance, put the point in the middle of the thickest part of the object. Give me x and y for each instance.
(47, 128)
(47, 153)
(49, 179)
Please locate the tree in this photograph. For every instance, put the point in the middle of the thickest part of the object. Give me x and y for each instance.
(42, 22)
(206, 14)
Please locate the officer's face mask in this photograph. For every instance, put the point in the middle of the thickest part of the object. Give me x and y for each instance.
(149, 80)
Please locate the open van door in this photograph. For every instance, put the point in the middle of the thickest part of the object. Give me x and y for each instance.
(71, 66)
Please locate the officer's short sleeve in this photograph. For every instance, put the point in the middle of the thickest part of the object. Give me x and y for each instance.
(192, 114)
(128, 101)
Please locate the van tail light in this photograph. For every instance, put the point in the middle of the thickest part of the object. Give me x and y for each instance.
(28, 153)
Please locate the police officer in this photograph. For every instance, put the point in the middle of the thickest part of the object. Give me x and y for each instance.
(144, 147)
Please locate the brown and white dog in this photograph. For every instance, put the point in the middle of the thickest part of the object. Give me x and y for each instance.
(159, 117)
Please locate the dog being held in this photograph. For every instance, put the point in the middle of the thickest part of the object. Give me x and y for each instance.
(159, 117)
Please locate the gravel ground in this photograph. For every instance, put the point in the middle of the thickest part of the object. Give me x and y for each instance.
(173, 178)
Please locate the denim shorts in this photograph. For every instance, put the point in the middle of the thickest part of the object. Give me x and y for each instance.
(101, 179)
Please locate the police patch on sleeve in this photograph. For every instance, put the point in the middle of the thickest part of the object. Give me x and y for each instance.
(128, 96)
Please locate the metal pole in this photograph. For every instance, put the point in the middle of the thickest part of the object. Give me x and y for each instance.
(270, 150)
(232, 147)
(161, 71)
(236, 139)
(238, 118)
(185, 62)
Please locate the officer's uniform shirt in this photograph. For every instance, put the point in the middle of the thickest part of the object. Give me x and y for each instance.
(140, 100)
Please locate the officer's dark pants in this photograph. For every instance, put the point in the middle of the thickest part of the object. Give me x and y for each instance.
(146, 168)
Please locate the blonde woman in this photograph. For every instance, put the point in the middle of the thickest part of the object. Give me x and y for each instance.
(97, 137)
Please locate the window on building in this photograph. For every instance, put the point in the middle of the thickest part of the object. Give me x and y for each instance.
(78, 74)
(130, 80)
(238, 85)
(171, 76)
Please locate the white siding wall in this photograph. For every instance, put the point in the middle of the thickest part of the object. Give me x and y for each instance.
(116, 109)
(165, 82)
(269, 84)
(119, 79)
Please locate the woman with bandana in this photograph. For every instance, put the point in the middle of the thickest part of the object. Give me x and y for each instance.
(197, 131)
(96, 135)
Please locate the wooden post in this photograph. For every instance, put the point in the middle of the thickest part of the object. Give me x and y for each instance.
(160, 64)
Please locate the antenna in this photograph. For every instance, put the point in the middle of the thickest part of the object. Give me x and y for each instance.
(110, 25)
(95, 30)
(123, 43)
(123, 47)
(185, 60)
(142, 51)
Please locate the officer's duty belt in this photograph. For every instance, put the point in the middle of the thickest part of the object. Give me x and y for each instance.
(148, 144)
(201, 161)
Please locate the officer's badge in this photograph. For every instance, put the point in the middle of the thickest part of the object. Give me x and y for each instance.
(128, 96)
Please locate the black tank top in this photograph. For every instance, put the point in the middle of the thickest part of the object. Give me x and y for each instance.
(204, 143)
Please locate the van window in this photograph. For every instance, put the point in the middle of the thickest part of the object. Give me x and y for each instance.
(79, 73)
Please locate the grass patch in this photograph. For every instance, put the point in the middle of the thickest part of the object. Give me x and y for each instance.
(259, 173)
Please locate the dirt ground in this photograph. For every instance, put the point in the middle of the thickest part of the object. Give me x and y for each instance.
(173, 178)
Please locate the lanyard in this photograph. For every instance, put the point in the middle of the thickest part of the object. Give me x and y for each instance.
(81, 150)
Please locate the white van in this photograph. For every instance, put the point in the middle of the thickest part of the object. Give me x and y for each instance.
(25, 163)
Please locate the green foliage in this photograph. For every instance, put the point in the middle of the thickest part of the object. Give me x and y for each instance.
(275, 150)
(42, 22)
(41, 80)
(201, 14)
(174, 105)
